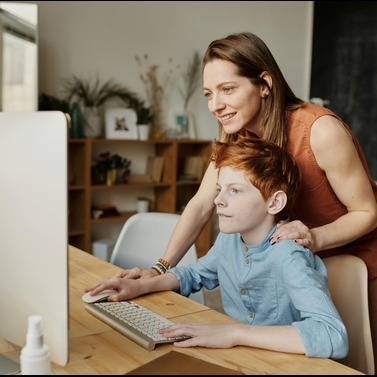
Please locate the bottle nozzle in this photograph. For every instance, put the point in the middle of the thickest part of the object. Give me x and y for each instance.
(35, 325)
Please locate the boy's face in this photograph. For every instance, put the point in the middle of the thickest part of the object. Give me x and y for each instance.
(240, 207)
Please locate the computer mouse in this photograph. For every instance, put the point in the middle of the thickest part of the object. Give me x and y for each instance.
(102, 296)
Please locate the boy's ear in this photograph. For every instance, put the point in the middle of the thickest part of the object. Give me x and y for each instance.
(277, 202)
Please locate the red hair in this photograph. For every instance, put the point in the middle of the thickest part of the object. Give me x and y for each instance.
(268, 167)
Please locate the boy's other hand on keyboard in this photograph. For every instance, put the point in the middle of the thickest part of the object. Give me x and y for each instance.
(203, 334)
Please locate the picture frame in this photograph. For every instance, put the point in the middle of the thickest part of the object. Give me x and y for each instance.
(121, 123)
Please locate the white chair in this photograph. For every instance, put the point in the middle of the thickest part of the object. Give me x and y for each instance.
(348, 285)
(143, 240)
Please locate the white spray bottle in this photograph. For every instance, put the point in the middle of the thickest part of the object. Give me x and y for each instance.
(35, 356)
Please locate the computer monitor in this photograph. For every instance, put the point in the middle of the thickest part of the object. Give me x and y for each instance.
(34, 228)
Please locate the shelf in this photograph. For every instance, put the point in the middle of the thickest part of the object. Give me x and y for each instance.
(168, 196)
(188, 183)
(130, 185)
(76, 188)
(123, 217)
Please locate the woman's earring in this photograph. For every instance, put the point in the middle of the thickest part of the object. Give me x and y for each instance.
(264, 95)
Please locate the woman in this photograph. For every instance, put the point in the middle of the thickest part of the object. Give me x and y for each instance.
(336, 211)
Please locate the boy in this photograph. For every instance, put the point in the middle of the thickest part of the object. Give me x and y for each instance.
(279, 291)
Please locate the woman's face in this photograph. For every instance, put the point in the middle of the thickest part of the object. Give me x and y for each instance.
(232, 99)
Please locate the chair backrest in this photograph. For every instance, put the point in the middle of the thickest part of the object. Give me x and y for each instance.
(348, 285)
(143, 239)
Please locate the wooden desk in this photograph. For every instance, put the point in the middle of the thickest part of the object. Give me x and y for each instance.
(96, 348)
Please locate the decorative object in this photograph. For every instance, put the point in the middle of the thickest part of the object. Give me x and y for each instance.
(144, 119)
(143, 131)
(110, 169)
(120, 123)
(155, 93)
(111, 177)
(92, 122)
(91, 96)
(191, 79)
(142, 204)
(185, 124)
(51, 103)
(144, 113)
(76, 130)
(104, 210)
(47, 102)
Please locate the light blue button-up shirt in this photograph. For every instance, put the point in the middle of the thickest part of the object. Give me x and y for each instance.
(265, 284)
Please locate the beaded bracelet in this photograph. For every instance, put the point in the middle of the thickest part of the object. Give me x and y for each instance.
(165, 263)
(158, 269)
(162, 267)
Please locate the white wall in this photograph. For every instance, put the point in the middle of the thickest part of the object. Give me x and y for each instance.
(102, 38)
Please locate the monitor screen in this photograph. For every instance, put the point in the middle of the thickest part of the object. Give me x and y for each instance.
(34, 228)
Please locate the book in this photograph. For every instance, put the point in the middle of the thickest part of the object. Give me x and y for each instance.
(192, 170)
(154, 171)
(177, 363)
(155, 167)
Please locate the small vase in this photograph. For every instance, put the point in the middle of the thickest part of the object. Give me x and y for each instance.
(187, 126)
(93, 123)
(111, 177)
(76, 129)
(143, 131)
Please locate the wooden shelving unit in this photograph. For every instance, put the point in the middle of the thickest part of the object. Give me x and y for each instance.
(169, 195)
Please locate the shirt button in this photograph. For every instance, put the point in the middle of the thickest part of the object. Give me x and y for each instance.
(246, 261)
(243, 291)
(251, 314)
(245, 249)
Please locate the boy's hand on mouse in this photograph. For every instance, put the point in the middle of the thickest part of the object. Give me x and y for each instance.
(127, 288)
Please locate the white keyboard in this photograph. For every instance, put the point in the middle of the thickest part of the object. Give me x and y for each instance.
(134, 321)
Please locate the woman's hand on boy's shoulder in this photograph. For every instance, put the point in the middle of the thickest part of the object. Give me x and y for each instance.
(296, 231)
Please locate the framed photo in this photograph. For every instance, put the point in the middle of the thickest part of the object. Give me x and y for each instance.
(120, 123)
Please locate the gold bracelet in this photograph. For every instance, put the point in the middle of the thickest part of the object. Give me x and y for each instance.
(165, 263)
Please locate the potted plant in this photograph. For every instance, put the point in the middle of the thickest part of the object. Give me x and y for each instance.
(110, 168)
(144, 119)
(91, 95)
(191, 81)
(144, 113)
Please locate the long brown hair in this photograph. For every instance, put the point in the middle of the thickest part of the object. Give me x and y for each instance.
(252, 57)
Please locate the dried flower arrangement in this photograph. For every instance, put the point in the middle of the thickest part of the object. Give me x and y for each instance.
(155, 91)
(191, 80)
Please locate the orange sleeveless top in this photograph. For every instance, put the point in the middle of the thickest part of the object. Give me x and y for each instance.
(317, 203)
